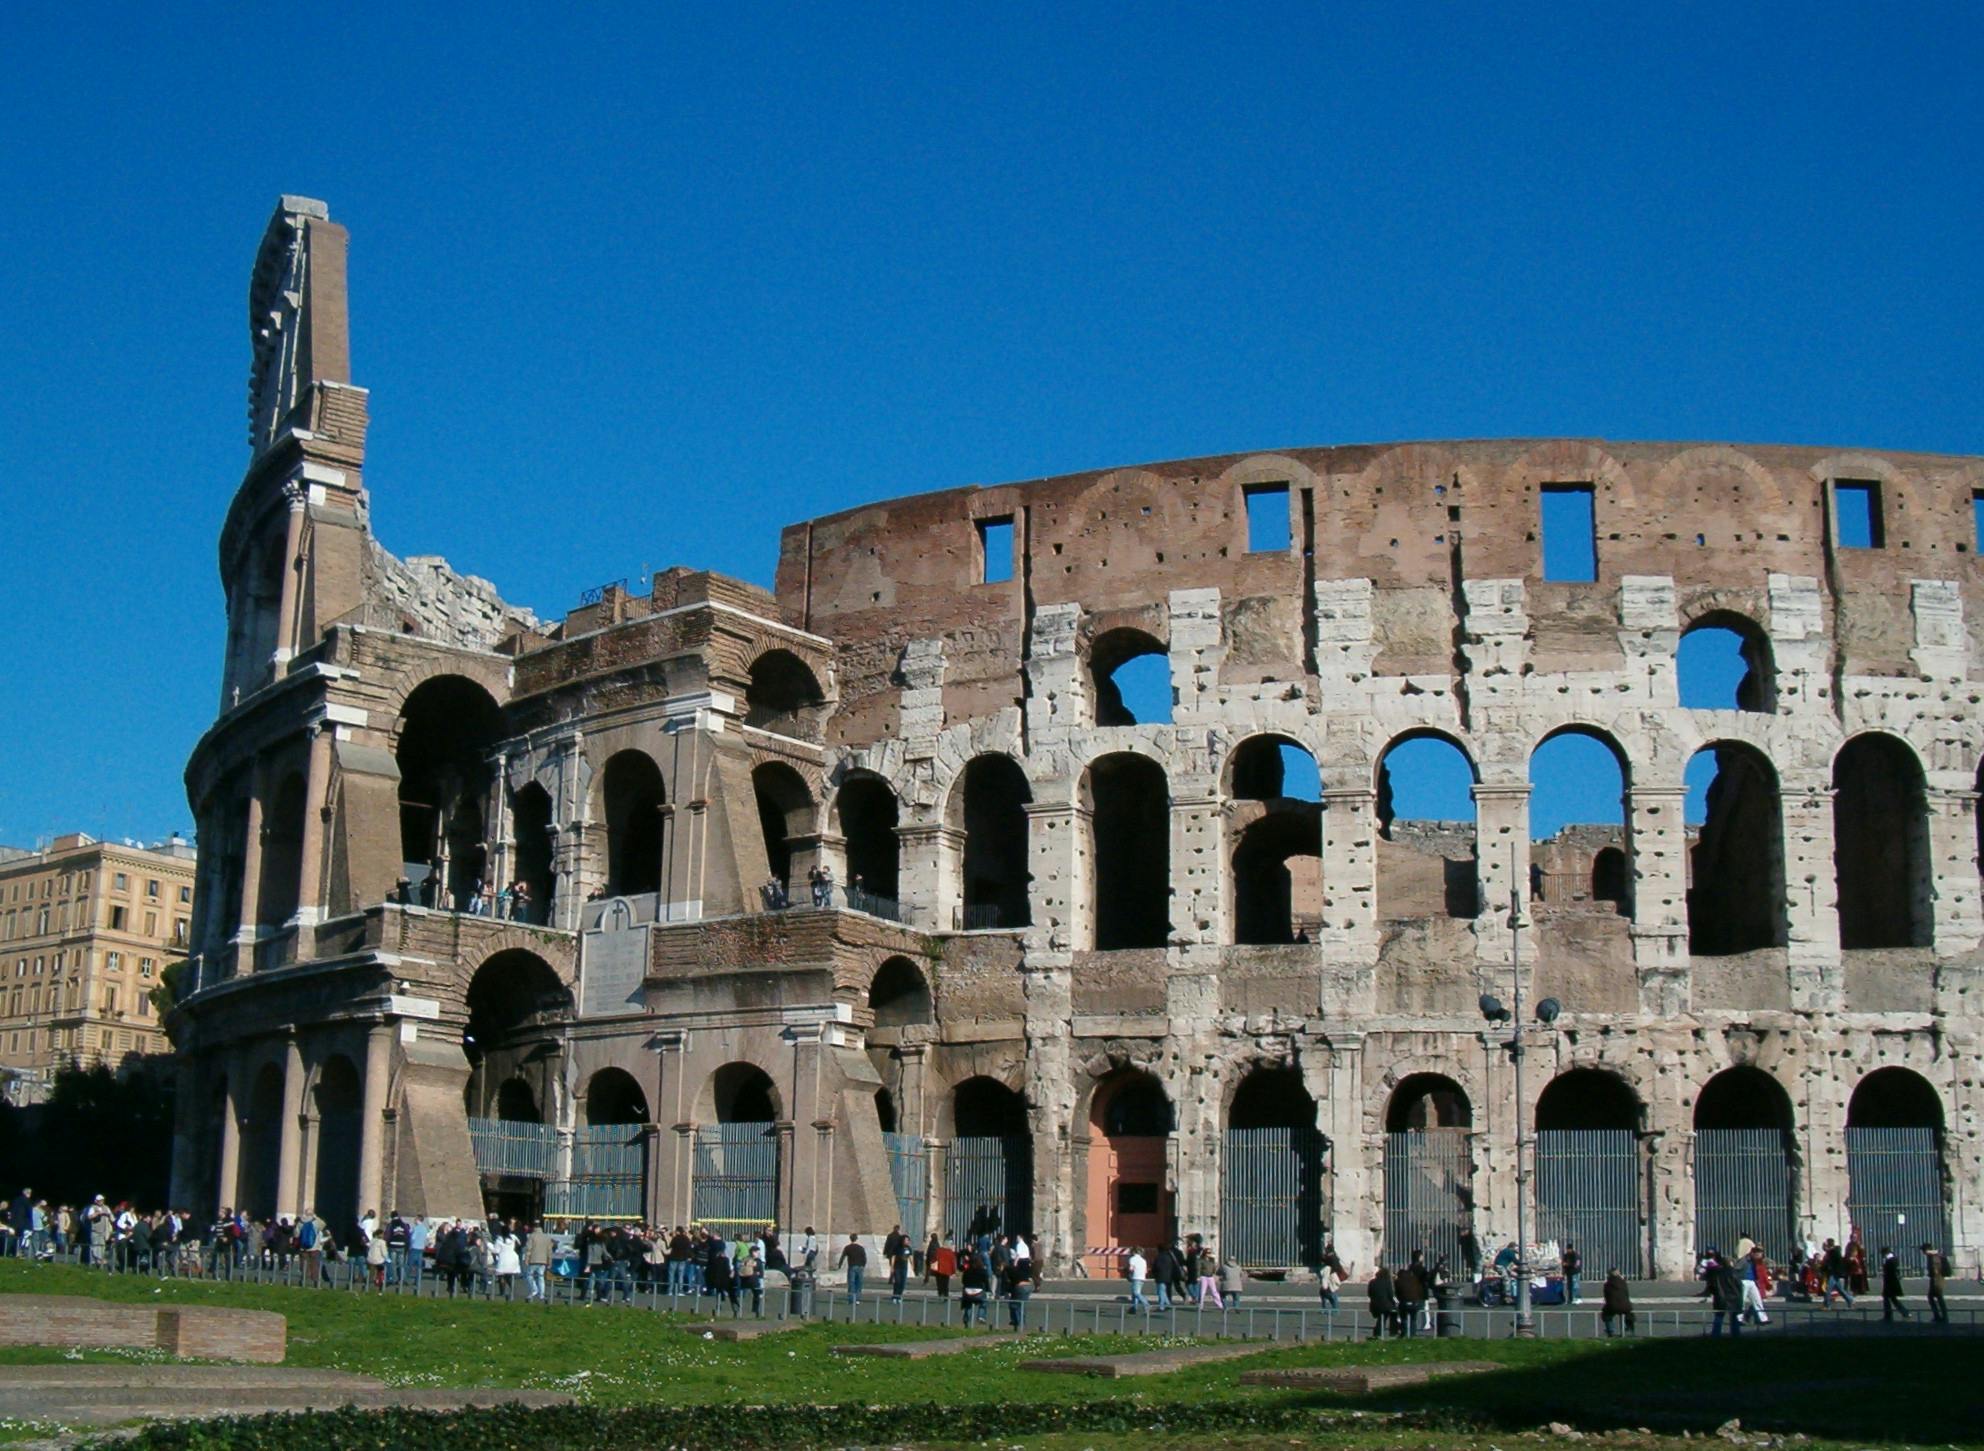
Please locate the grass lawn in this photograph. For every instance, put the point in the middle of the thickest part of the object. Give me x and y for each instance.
(1905, 1389)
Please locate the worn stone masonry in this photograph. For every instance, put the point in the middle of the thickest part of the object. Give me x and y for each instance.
(1093, 963)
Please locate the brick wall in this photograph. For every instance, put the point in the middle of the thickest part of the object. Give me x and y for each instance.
(189, 1332)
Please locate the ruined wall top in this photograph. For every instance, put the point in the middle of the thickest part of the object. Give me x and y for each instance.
(298, 315)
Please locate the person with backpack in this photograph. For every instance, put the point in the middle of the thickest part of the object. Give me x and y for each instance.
(311, 1250)
(1939, 1274)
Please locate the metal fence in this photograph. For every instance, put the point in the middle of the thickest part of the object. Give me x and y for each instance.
(909, 1170)
(1429, 1194)
(1588, 1195)
(988, 1186)
(1271, 1197)
(1895, 1191)
(609, 1175)
(860, 899)
(1743, 1186)
(506, 1146)
(736, 1176)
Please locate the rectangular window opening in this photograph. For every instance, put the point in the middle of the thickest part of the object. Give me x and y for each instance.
(1856, 508)
(1267, 518)
(1137, 1199)
(1570, 534)
(995, 550)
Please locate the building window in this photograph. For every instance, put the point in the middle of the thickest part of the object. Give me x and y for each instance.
(151, 924)
(1856, 514)
(1570, 533)
(185, 896)
(179, 932)
(123, 882)
(146, 965)
(41, 923)
(114, 961)
(151, 888)
(995, 550)
(144, 1005)
(1267, 518)
(116, 919)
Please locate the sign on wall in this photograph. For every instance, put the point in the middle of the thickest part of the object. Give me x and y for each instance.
(615, 961)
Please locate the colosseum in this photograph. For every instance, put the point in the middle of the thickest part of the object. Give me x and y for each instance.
(882, 896)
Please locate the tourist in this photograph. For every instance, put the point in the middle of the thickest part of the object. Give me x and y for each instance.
(855, 1258)
(308, 1237)
(539, 1247)
(377, 1253)
(1333, 1274)
(99, 1220)
(1616, 1303)
(680, 1248)
(20, 1219)
(419, 1238)
(940, 1262)
(751, 1277)
(1470, 1254)
(399, 1235)
(1409, 1289)
(1232, 1282)
(1383, 1300)
(1725, 1294)
(1756, 1285)
(1856, 1262)
(1164, 1269)
(1939, 1274)
(895, 1249)
(1136, 1267)
(974, 1286)
(1891, 1289)
(1572, 1264)
(1832, 1265)
(1208, 1268)
(1018, 1287)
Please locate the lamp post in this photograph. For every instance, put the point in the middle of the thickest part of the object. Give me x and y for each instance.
(1494, 1012)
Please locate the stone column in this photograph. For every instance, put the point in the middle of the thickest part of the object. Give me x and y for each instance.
(497, 868)
(286, 610)
(1200, 906)
(1058, 859)
(289, 1156)
(1350, 869)
(806, 1147)
(1811, 891)
(1953, 871)
(1657, 841)
(1501, 862)
(1670, 1158)
(316, 826)
(1048, 995)
(372, 1111)
(911, 1115)
(932, 877)
(230, 1130)
(251, 870)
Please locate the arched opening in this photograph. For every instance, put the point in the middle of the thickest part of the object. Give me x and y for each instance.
(867, 810)
(1745, 1173)
(785, 816)
(736, 1158)
(1880, 844)
(1898, 1186)
(633, 796)
(282, 853)
(1276, 823)
(447, 729)
(336, 1099)
(885, 1112)
(988, 1170)
(530, 814)
(514, 1001)
(260, 1153)
(1271, 1195)
(1426, 831)
(1429, 1170)
(1129, 1191)
(899, 996)
(613, 1096)
(990, 805)
(1723, 662)
(783, 693)
(1130, 674)
(1129, 805)
(1588, 1171)
(516, 1102)
(1577, 777)
(1736, 866)
(1608, 877)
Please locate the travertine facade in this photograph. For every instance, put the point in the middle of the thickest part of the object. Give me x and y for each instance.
(1117, 947)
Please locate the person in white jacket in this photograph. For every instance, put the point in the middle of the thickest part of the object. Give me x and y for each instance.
(1138, 1269)
(506, 1262)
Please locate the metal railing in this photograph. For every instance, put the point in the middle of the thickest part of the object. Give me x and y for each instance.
(860, 899)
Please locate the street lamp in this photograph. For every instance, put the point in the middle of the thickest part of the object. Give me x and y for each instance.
(1493, 1011)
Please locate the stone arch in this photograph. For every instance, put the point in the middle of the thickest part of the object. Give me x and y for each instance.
(1130, 1120)
(1427, 1100)
(899, 995)
(1757, 496)
(1129, 800)
(1587, 1097)
(534, 829)
(259, 1146)
(1898, 1176)
(739, 1092)
(865, 812)
(1588, 1166)
(1699, 674)
(336, 1099)
(632, 794)
(987, 802)
(615, 1096)
(1426, 869)
(786, 815)
(1744, 1096)
(782, 694)
(1110, 652)
(516, 1101)
(282, 852)
(1544, 790)
(1736, 889)
(443, 739)
(1881, 843)
(1894, 1097)
(989, 1180)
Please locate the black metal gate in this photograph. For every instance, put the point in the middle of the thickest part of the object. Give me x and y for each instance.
(1429, 1195)
(1271, 1197)
(1895, 1191)
(1743, 1184)
(736, 1177)
(1588, 1195)
(988, 1186)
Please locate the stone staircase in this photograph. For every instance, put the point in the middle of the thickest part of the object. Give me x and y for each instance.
(104, 1395)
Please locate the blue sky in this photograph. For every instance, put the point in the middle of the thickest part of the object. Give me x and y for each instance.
(636, 285)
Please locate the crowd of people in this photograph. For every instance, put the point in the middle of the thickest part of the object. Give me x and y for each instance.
(480, 898)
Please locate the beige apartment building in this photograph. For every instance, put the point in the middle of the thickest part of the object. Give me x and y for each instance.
(86, 929)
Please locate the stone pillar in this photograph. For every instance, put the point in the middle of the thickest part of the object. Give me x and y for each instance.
(932, 877)
(1058, 859)
(1657, 841)
(316, 826)
(1350, 868)
(1200, 905)
(1048, 989)
(1811, 891)
(251, 870)
(289, 1157)
(1501, 861)
(230, 1130)
(1668, 1159)
(1953, 871)
(1198, 650)
(371, 1114)
(806, 1131)
(286, 608)
(912, 1116)
(313, 1145)
(1353, 1207)
(497, 868)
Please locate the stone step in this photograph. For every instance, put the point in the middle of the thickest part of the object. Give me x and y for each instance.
(1358, 1379)
(144, 1373)
(1143, 1362)
(924, 1349)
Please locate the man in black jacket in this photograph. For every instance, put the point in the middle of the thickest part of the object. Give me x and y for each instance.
(1891, 1286)
(1725, 1294)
